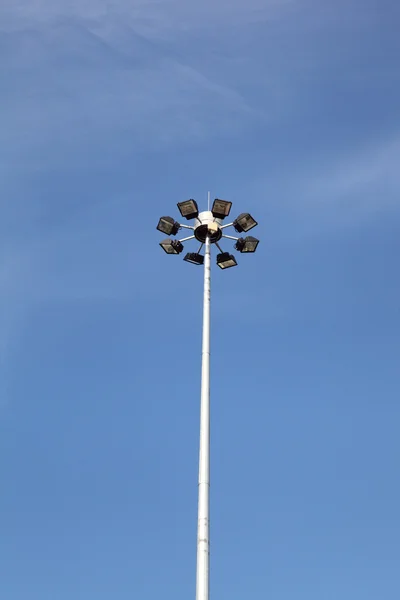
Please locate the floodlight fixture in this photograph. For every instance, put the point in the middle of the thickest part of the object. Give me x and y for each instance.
(168, 225)
(221, 208)
(247, 244)
(244, 222)
(171, 246)
(194, 258)
(189, 209)
(226, 260)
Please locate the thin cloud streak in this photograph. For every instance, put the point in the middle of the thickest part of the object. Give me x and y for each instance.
(155, 16)
(372, 166)
(67, 86)
(96, 71)
(367, 178)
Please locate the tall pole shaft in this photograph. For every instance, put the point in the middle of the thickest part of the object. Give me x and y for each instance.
(203, 525)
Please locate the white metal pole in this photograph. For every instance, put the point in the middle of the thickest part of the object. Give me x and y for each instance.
(203, 525)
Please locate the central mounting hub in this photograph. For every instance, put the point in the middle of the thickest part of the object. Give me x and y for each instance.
(208, 226)
(203, 231)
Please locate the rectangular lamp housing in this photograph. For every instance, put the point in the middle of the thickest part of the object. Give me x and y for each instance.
(188, 209)
(221, 208)
(226, 260)
(244, 222)
(171, 246)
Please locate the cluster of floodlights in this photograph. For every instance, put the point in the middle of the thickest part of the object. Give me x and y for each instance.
(208, 224)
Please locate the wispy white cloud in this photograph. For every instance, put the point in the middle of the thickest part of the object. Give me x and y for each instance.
(358, 175)
(331, 193)
(354, 188)
(151, 15)
(66, 86)
(85, 72)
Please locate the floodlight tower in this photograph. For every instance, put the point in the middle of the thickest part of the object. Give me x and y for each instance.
(208, 229)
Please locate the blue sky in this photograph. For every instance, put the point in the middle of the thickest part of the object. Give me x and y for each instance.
(110, 114)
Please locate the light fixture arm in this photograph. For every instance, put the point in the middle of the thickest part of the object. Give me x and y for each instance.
(191, 237)
(227, 225)
(230, 237)
(186, 226)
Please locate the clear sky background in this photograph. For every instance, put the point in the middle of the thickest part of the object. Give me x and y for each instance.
(111, 112)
